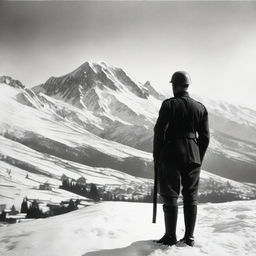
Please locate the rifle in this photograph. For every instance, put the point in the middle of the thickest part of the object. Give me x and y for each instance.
(155, 192)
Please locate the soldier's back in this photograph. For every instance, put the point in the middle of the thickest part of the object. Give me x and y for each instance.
(181, 145)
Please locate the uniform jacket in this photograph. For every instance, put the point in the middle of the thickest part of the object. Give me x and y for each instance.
(181, 133)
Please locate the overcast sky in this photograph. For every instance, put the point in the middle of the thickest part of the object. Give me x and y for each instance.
(214, 41)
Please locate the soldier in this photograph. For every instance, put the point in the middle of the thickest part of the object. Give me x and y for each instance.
(181, 138)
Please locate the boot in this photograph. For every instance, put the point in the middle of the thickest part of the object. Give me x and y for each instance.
(186, 241)
(190, 214)
(170, 219)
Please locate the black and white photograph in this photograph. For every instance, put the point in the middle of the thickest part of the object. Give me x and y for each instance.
(128, 128)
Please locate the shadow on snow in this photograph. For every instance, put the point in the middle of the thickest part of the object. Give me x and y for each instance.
(138, 248)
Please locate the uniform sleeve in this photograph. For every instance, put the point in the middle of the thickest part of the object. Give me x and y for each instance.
(204, 134)
(159, 130)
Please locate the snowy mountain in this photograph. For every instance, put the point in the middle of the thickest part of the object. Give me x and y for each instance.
(97, 122)
(37, 143)
(125, 108)
(125, 229)
(121, 109)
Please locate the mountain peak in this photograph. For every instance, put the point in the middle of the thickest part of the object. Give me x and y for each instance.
(92, 66)
(12, 82)
(153, 92)
(98, 75)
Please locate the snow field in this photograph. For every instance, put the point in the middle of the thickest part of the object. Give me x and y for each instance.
(119, 228)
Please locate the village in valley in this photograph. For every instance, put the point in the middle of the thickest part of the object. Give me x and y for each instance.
(83, 194)
(87, 194)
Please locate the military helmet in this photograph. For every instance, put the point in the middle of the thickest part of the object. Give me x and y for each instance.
(181, 77)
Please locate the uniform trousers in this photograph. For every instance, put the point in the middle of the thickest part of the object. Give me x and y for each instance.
(172, 177)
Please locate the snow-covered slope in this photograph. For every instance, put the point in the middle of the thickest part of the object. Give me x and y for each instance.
(115, 228)
(29, 168)
(235, 120)
(45, 131)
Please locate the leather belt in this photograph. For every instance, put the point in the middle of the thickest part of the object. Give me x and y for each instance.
(188, 135)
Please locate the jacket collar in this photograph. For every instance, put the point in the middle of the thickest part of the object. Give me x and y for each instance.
(182, 94)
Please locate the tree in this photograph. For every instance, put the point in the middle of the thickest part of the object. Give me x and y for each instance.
(13, 210)
(77, 202)
(94, 194)
(24, 206)
(3, 215)
(34, 211)
(71, 205)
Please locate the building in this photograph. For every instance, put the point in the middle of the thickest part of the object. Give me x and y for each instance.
(45, 186)
(81, 181)
(2, 207)
(64, 177)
